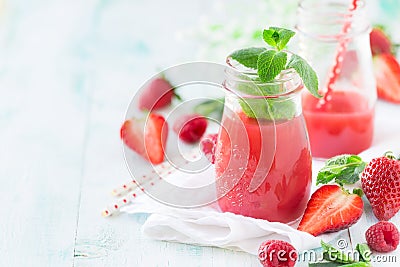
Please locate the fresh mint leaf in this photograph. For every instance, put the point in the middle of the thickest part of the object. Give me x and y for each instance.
(324, 264)
(277, 37)
(262, 108)
(211, 108)
(336, 264)
(255, 108)
(350, 174)
(255, 87)
(364, 251)
(333, 254)
(248, 57)
(336, 257)
(306, 73)
(270, 63)
(269, 109)
(284, 36)
(357, 264)
(271, 37)
(344, 169)
(281, 110)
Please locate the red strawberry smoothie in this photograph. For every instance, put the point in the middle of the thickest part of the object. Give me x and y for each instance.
(245, 152)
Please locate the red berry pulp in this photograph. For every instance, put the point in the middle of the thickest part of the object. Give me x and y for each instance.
(207, 145)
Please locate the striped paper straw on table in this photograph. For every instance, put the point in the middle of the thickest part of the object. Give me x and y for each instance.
(130, 190)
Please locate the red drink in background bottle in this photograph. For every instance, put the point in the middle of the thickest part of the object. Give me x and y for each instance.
(343, 125)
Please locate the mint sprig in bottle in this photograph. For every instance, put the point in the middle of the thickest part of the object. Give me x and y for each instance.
(265, 66)
(263, 159)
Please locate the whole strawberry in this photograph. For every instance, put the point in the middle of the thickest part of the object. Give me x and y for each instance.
(380, 42)
(158, 94)
(380, 182)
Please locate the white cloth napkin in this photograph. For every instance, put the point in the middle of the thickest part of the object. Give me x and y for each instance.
(207, 226)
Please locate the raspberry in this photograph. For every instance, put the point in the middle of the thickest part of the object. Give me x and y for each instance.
(382, 236)
(207, 145)
(277, 253)
(190, 128)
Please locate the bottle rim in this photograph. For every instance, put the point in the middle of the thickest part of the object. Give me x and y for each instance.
(235, 72)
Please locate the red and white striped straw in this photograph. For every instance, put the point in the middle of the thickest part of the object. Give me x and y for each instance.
(132, 189)
(337, 66)
(159, 170)
(115, 207)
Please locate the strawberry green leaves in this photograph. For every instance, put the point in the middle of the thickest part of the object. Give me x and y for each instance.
(344, 169)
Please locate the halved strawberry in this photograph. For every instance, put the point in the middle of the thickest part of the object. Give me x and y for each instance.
(387, 75)
(380, 42)
(147, 136)
(331, 209)
(156, 95)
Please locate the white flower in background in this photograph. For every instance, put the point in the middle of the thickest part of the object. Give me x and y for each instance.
(233, 24)
(229, 25)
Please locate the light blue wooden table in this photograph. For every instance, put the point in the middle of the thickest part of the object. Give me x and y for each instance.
(68, 70)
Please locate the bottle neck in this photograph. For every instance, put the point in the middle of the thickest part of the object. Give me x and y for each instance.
(278, 100)
(332, 21)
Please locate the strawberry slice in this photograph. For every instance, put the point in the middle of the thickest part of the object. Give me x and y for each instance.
(146, 136)
(387, 75)
(331, 209)
(380, 42)
(156, 95)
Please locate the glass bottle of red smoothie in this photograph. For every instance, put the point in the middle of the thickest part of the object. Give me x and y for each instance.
(334, 39)
(263, 158)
